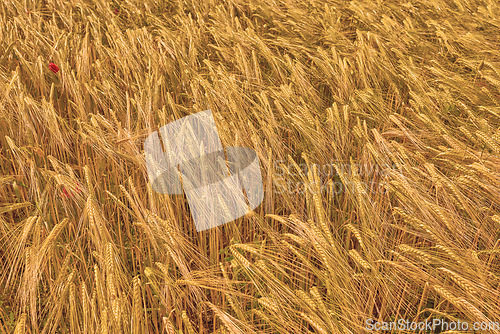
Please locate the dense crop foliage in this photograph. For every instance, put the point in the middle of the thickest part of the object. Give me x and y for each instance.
(377, 125)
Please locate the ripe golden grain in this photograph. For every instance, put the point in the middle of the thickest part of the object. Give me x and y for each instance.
(21, 323)
(357, 234)
(268, 303)
(187, 323)
(359, 260)
(449, 253)
(241, 259)
(136, 292)
(316, 323)
(460, 281)
(307, 299)
(304, 84)
(423, 256)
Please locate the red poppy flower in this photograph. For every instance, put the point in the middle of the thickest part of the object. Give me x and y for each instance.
(116, 10)
(53, 67)
(65, 192)
(70, 193)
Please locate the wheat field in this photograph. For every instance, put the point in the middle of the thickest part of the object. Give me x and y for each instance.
(377, 127)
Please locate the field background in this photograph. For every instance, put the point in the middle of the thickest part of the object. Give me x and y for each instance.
(410, 90)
